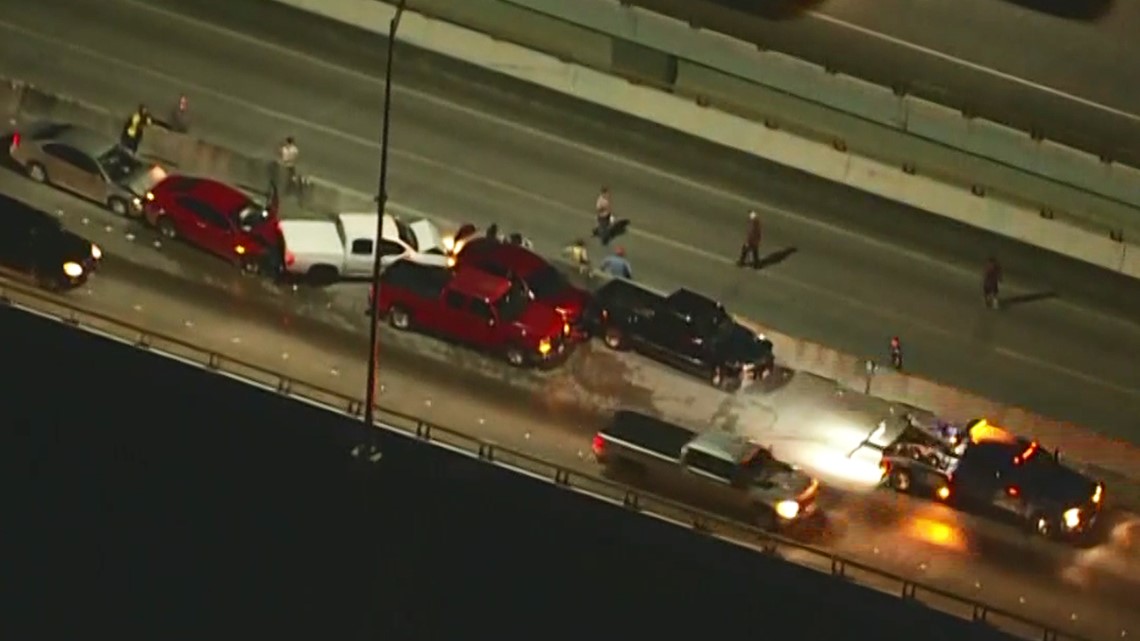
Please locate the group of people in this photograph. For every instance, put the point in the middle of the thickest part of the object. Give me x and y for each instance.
(178, 120)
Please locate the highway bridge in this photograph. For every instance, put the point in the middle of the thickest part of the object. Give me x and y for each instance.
(163, 500)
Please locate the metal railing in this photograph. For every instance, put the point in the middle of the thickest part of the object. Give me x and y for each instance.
(56, 307)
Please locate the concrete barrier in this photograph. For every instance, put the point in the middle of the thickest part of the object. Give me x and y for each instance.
(726, 129)
(632, 27)
(11, 94)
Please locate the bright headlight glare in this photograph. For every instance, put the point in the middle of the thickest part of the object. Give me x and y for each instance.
(449, 243)
(96, 253)
(74, 270)
(1072, 517)
(788, 509)
(544, 347)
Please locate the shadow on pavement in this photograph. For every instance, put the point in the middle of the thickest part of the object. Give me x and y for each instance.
(780, 377)
(1032, 297)
(776, 257)
(1089, 10)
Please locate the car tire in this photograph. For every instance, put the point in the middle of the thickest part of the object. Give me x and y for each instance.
(516, 356)
(400, 319)
(900, 481)
(613, 338)
(118, 206)
(1043, 525)
(37, 173)
(166, 228)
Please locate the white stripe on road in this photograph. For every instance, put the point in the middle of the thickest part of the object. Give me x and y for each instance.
(864, 307)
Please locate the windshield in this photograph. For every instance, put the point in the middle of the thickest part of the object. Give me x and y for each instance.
(760, 464)
(118, 163)
(404, 231)
(512, 305)
(546, 282)
(250, 216)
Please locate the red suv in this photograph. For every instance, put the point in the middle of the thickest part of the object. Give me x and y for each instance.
(217, 218)
(541, 279)
(473, 307)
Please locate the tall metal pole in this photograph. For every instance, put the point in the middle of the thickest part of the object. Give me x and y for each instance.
(381, 206)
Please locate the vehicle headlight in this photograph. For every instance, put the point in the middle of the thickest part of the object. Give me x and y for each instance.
(788, 509)
(1098, 495)
(137, 202)
(449, 243)
(96, 253)
(1071, 518)
(74, 270)
(544, 346)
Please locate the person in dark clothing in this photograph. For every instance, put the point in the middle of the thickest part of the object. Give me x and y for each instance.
(750, 250)
(179, 119)
(133, 128)
(991, 281)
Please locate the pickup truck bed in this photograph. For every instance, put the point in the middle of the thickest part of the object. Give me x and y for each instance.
(641, 432)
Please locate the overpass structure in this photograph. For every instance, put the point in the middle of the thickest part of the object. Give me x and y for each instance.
(172, 496)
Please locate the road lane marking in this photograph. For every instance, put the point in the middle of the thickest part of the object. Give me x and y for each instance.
(959, 271)
(974, 66)
(862, 306)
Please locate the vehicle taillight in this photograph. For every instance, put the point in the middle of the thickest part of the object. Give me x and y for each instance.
(884, 466)
(599, 445)
(1013, 490)
(15, 141)
(290, 258)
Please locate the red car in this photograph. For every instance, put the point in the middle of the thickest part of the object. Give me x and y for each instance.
(473, 307)
(217, 218)
(544, 282)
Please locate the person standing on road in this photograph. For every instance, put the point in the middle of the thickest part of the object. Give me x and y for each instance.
(617, 265)
(991, 281)
(578, 256)
(180, 115)
(137, 122)
(287, 156)
(603, 208)
(750, 250)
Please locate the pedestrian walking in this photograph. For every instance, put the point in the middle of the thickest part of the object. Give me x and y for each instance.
(896, 353)
(133, 128)
(750, 250)
(991, 281)
(617, 265)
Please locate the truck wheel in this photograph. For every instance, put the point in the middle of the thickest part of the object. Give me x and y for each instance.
(399, 318)
(900, 481)
(323, 274)
(516, 356)
(613, 338)
(765, 518)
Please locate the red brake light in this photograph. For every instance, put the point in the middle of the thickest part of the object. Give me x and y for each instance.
(290, 258)
(1013, 491)
(599, 445)
(15, 141)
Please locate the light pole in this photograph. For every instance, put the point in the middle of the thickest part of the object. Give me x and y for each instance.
(381, 205)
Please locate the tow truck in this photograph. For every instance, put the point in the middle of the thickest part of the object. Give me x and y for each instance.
(714, 470)
(984, 465)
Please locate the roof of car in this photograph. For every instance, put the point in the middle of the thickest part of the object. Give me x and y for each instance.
(363, 225)
(723, 445)
(516, 258)
(221, 195)
(479, 284)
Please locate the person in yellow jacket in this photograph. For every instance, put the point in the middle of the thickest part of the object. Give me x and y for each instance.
(133, 129)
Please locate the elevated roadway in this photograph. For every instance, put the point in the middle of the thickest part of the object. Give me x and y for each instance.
(472, 146)
(307, 336)
(1054, 66)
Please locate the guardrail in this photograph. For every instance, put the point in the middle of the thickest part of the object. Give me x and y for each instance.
(731, 531)
(784, 92)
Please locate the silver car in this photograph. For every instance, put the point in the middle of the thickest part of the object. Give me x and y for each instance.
(87, 163)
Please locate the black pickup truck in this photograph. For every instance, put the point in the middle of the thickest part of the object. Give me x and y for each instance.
(982, 465)
(684, 329)
(714, 471)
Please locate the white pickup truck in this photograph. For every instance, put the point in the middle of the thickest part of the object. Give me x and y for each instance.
(345, 245)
